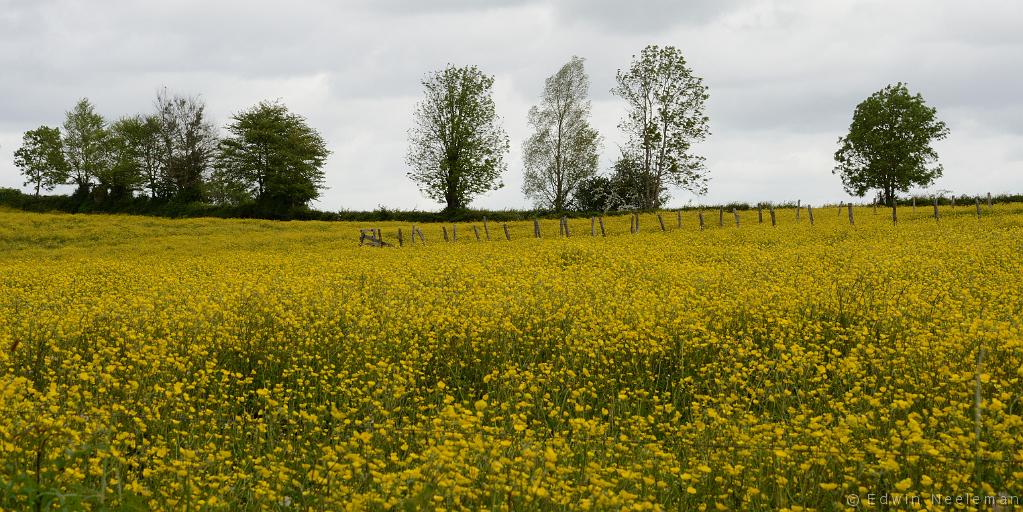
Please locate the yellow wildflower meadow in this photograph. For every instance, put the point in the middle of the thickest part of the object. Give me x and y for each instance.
(252, 365)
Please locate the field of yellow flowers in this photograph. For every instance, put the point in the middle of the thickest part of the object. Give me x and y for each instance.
(255, 365)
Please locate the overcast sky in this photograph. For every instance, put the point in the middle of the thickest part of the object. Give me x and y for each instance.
(784, 77)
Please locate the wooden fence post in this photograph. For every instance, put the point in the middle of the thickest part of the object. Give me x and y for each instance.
(421, 237)
(701, 220)
(476, 232)
(849, 206)
(809, 212)
(953, 201)
(413, 233)
(773, 221)
(989, 200)
(454, 232)
(678, 215)
(536, 227)
(380, 237)
(507, 235)
(978, 207)
(561, 227)
(660, 221)
(799, 208)
(895, 213)
(486, 230)
(445, 228)
(635, 224)
(721, 217)
(593, 226)
(735, 213)
(935, 207)
(564, 222)
(760, 213)
(401, 239)
(601, 219)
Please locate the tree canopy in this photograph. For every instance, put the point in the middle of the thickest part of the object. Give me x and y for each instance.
(41, 158)
(457, 146)
(889, 144)
(274, 157)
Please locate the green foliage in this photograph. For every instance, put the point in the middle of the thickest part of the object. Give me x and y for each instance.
(888, 147)
(665, 117)
(138, 155)
(272, 156)
(562, 152)
(86, 146)
(457, 148)
(41, 158)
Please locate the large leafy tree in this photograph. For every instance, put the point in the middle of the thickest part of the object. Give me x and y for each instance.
(273, 156)
(134, 157)
(138, 154)
(889, 145)
(41, 158)
(562, 152)
(457, 147)
(665, 117)
(86, 146)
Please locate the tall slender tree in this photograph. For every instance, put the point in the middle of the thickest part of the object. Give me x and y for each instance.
(457, 146)
(41, 158)
(562, 152)
(665, 118)
(85, 146)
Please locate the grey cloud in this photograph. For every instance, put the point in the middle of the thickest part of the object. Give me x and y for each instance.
(784, 75)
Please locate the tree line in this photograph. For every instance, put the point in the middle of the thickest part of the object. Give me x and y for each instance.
(272, 161)
(270, 158)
